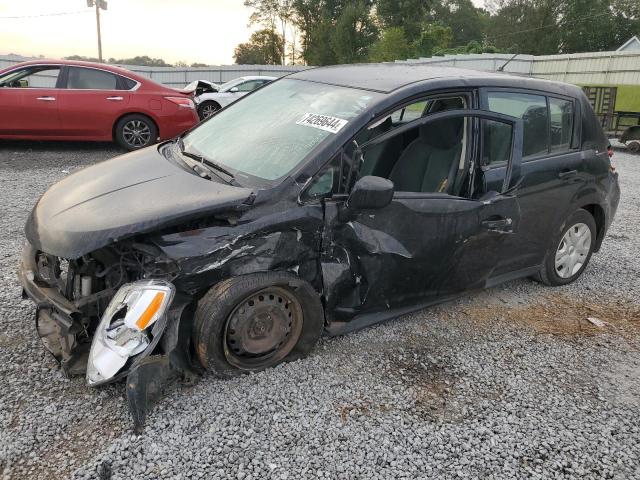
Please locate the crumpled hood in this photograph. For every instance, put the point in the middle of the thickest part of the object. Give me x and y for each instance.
(130, 194)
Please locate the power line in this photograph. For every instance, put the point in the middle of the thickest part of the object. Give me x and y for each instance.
(56, 14)
(556, 25)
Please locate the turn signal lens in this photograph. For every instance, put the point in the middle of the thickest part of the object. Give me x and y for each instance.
(150, 311)
(125, 327)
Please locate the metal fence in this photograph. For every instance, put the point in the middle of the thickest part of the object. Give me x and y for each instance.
(596, 68)
(179, 77)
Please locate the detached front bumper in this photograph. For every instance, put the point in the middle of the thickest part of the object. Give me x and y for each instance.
(67, 328)
(60, 323)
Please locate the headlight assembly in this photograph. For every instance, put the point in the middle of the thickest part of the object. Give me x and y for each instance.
(126, 328)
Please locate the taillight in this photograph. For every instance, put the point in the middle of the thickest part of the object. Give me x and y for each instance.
(182, 102)
(612, 165)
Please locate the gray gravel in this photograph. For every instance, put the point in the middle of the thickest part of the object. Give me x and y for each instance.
(508, 383)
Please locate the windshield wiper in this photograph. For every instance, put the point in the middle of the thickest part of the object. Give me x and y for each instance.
(205, 161)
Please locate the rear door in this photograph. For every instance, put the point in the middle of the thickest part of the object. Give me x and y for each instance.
(426, 244)
(552, 167)
(91, 102)
(29, 99)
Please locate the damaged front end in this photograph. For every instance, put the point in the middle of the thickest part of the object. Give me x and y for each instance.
(110, 314)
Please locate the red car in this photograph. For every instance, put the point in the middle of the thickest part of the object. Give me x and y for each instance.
(67, 100)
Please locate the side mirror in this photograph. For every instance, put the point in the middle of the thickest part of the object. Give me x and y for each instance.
(233, 89)
(370, 192)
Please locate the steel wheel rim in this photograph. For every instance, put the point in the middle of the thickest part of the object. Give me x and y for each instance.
(573, 250)
(208, 110)
(262, 329)
(136, 133)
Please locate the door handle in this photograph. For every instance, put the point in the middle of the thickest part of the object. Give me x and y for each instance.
(47, 99)
(500, 224)
(567, 173)
(114, 99)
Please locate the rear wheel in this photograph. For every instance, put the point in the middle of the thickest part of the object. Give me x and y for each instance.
(633, 146)
(136, 131)
(571, 251)
(256, 321)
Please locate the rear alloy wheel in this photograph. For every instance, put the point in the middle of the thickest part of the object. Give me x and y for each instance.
(206, 109)
(136, 131)
(571, 250)
(252, 322)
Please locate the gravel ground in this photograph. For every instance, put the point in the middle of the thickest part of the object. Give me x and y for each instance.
(512, 382)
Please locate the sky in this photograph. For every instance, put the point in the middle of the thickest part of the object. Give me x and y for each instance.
(203, 31)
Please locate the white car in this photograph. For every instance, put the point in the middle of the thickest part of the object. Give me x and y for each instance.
(210, 102)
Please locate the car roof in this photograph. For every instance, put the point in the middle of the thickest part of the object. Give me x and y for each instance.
(255, 77)
(77, 63)
(388, 77)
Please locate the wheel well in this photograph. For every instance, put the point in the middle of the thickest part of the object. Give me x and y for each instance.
(631, 133)
(210, 101)
(115, 124)
(597, 212)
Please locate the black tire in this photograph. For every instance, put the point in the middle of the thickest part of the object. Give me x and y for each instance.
(218, 308)
(207, 108)
(633, 146)
(136, 131)
(548, 274)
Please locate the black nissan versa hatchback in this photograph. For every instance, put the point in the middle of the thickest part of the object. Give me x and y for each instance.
(328, 200)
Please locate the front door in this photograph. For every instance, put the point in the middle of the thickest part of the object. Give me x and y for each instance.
(29, 102)
(440, 235)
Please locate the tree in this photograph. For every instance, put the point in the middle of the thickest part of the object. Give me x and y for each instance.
(596, 25)
(525, 26)
(465, 20)
(393, 45)
(408, 14)
(265, 47)
(273, 14)
(334, 31)
(434, 37)
(353, 34)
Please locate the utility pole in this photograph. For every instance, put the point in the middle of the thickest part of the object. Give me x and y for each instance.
(99, 4)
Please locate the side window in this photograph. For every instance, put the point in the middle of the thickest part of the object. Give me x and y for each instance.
(532, 109)
(330, 179)
(380, 158)
(127, 83)
(496, 143)
(91, 79)
(429, 158)
(31, 77)
(561, 116)
(409, 113)
(249, 86)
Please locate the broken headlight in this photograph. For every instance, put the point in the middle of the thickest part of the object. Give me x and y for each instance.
(125, 329)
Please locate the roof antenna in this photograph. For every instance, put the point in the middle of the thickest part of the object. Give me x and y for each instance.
(501, 67)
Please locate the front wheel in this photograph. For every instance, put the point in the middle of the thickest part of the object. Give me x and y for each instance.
(253, 322)
(570, 251)
(135, 131)
(206, 109)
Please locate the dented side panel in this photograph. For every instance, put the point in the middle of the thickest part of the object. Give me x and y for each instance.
(414, 250)
(282, 236)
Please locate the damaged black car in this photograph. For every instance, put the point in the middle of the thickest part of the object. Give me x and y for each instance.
(330, 200)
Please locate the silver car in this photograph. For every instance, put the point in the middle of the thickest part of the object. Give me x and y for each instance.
(210, 102)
